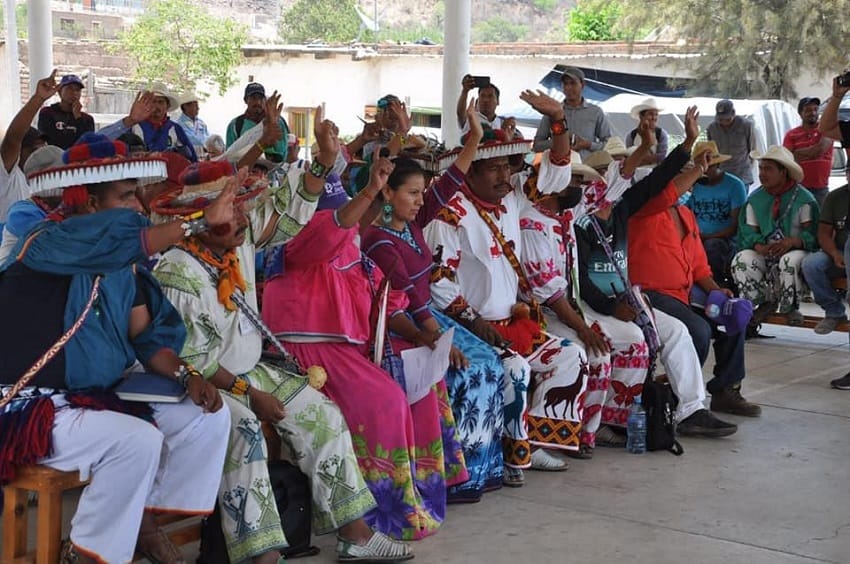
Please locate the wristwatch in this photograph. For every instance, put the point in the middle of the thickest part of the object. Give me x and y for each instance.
(558, 127)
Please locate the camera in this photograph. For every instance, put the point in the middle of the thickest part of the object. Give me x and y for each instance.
(481, 81)
(843, 80)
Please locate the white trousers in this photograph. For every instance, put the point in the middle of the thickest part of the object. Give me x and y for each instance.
(133, 465)
(678, 356)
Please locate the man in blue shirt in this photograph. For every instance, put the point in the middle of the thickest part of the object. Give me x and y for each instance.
(716, 200)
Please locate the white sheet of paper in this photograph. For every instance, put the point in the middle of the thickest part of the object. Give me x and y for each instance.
(424, 367)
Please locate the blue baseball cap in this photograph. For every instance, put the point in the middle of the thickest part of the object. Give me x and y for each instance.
(70, 79)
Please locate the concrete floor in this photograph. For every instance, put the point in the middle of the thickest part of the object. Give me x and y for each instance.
(776, 492)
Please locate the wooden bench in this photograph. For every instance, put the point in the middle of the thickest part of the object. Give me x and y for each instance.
(809, 321)
(50, 485)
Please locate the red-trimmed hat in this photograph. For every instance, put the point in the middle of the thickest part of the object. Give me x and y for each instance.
(94, 159)
(201, 183)
(494, 144)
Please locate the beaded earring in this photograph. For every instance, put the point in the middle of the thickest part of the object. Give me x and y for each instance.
(387, 213)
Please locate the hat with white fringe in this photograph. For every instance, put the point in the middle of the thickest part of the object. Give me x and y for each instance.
(94, 159)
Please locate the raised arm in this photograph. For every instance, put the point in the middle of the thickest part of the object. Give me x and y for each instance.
(829, 124)
(467, 84)
(10, 148)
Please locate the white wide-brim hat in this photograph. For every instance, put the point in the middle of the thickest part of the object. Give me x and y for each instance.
(648, 104)
(784, 157)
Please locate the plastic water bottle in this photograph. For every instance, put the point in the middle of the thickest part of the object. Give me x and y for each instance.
(636, 429)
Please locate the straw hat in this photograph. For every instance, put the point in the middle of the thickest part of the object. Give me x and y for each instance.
(159, 89)
(648, 104)
(616, 148)
(782, 156)
(587, 172)
(599, 160)
(711, 146)
(187, 97)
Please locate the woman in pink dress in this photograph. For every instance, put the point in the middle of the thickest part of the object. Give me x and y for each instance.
(322, 308)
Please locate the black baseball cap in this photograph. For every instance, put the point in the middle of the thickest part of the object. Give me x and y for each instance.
(806, 101)
(254, 89)
(724, 108)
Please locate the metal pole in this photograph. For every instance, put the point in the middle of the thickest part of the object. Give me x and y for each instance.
(12, 55)
(40, 40)
(456, 31)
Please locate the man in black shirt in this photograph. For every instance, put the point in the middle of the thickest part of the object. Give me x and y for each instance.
(65, 121)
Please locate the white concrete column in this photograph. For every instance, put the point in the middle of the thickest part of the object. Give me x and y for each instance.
(456, 33)
(40, 40)
(13, 70)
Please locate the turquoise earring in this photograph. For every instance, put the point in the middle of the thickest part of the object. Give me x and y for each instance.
(387, 213)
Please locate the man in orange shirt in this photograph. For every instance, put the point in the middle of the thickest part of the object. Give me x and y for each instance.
(666, 259)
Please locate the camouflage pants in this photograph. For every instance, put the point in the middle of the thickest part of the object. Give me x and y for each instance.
(778, 282)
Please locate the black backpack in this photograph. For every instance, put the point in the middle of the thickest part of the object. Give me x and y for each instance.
(660, 403)
(294, 503)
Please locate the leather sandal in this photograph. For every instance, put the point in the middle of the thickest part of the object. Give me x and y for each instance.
(584, 452)
(158, 548)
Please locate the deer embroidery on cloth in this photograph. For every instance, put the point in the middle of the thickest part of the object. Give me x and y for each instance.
(514, 410)
(568, 395)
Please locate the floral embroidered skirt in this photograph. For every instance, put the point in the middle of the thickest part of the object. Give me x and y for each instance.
(408, 455)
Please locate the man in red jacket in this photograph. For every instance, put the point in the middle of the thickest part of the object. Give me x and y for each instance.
(666, 259)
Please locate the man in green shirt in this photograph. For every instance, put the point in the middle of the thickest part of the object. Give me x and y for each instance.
(776, 230)
(820, 268)
(255, 111)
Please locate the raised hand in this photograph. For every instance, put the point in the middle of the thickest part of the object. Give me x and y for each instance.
(77, 109)
(327, 136)
(221, 211)
(272, 132)
(380, 171)
(839, 91)
(691, 124)
(400, 111)
(46, 87)
(467, 83)
(142, 107)
(474, 121)
(543, 103)
(371, 131)
(647, 134)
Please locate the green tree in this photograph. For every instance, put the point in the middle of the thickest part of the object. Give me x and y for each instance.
(331, 21)
(748, 49)
(180, 43)
(594, 21)
(498, 30)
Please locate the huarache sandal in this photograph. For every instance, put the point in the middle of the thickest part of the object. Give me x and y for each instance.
(380, 548)
(584, 452)
(514, 477)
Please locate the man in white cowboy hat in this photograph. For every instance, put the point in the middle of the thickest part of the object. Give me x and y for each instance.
(479, 282)
(587, 122)
(716, 199)
(735, 136)
(65, 121)
(603, 294)
(776, 230)
(78, 277)
(188, 119)
(148, 118)
(647, 113)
